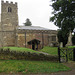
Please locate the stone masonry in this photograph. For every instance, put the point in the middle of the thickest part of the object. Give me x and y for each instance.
(9, 23)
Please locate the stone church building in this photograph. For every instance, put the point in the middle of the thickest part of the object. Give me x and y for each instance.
(11, 34)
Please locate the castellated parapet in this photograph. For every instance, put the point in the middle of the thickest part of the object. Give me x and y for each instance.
(7, 2)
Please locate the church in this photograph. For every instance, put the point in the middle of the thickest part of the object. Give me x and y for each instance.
(13, 34)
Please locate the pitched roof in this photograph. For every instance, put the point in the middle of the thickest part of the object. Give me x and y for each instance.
(32, 28)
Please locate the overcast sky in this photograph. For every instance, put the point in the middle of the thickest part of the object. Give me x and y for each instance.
(38, 11)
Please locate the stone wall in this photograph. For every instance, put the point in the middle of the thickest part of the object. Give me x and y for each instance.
(7, 39)
(24, 36)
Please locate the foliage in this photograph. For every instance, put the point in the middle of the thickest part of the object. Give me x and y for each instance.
(28, 23)
(62, 37)
(64, 14)
(64, 17)
(50, 50)
(73, 39)
(28, 67)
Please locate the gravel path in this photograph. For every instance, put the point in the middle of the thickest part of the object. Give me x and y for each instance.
(44, 53)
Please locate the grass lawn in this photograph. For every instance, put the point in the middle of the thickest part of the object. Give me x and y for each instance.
(22, 66)
(26, 67)
(21, 49)
(71, 47)
(50, 50)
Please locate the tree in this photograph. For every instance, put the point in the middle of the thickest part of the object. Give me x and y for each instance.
(28, 23)
(62, 37)
(64, 16)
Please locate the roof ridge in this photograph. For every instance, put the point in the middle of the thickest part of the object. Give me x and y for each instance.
(32, 28)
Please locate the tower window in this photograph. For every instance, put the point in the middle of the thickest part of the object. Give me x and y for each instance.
(9, 9)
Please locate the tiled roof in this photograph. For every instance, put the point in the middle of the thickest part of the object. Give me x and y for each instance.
(32, 28)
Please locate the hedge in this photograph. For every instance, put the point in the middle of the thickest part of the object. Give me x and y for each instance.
(6, 54)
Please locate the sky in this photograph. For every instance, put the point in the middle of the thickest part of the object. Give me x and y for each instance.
(38, 11)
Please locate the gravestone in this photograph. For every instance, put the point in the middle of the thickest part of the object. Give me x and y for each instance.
(61, 44)
(69, 43)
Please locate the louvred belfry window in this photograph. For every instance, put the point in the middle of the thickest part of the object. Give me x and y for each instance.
(9, 9)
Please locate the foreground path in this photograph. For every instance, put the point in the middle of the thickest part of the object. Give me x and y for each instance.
(59, 73)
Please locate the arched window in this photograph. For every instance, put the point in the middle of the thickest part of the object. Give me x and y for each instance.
(9, 9)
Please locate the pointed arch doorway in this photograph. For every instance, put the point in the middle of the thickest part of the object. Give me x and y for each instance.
(34, 44)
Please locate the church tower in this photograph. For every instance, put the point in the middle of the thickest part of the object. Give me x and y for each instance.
(9, 16)
(9, 23)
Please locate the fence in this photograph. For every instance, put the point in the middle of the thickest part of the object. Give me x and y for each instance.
(66, 54)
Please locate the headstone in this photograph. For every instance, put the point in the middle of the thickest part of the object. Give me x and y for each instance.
(61, 44)
(69, 43)
(63, 60)
(74, 30)
(51, 44)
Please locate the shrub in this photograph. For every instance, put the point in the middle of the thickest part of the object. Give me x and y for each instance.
(7, 54)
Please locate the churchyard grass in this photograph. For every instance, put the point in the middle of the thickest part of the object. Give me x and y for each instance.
(22, 66)
(50, 50)
(47, 49)
(71, 47)
(21, 49)
(26, 66)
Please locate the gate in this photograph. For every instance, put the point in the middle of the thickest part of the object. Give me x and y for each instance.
(66, 54)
